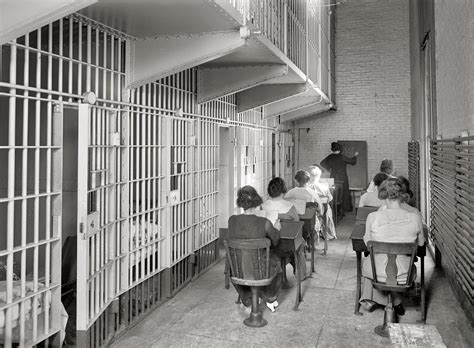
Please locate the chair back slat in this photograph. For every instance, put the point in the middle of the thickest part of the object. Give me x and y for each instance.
(249, 259)
(391, 270)
(392, 250)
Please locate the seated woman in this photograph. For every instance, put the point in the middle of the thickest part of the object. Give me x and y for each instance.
(284, 210)
(386, 166)
(324, 193)
(371, 198)
(303, 192)
(277, 203)
(392, 225)
(406, 204)
(250, 226)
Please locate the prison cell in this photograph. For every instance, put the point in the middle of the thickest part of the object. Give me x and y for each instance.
(30, 205)
(139, 175)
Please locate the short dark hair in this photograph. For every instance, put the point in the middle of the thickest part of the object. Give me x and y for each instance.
(302, 177)
(379, 178)
(404, 181)
(386, 166)
(247, 197)
(335, 146)
(393, 189)
(276, 187)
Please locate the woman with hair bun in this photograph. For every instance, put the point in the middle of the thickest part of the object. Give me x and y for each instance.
(336, 164)
(391, 225)
(251, 226)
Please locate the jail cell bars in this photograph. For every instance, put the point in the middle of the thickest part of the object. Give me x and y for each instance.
(147, 202)
(181, 196)
(147, 156)
(207, 183)
(30, 211)
(99, 189)
(285, 147)
(270, 17)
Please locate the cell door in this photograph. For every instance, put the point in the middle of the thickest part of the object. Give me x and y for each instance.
(183, 186)
(99, 213)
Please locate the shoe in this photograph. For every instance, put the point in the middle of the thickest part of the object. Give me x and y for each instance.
(272, 305)
(399, 309)
(244, 308)
(370, 306)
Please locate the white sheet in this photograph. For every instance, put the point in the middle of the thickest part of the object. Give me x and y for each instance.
(28, 304)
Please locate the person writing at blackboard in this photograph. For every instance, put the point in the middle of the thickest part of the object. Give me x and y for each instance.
(336, 164)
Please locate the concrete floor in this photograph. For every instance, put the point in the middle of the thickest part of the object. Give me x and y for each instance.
(205, 314)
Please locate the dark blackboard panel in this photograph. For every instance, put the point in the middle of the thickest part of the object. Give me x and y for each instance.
(358, 172)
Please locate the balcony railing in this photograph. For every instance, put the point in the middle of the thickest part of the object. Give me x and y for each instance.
(302, 29)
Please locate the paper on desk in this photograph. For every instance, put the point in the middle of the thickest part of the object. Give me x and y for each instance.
(329, 181)
(300, 205)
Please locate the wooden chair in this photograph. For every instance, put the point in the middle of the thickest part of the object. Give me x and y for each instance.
(249, 261)
(392, 250)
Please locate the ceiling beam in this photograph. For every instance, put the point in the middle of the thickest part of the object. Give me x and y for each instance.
(155, 58)
(305, 112)
(265, 94)
(216, 82)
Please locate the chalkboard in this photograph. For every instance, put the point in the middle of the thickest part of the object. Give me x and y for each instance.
(358, 172)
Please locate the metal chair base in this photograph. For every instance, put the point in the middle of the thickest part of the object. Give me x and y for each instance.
(388, 317)
(255, 320)
(382, 330)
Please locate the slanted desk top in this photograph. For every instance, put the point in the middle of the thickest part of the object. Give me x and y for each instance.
(309, 213)
(290, 230)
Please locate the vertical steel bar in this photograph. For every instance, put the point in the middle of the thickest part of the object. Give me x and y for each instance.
(24, 187)
(143, 197)
(37, 185)
(79, 65)
(71, 56)
(49, 125)
(89, 58)
(11, 194)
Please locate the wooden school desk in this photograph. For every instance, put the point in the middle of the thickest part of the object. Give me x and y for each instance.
(291, 239)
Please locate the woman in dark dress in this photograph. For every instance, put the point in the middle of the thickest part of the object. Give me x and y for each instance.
(336, 164)
(250, 226)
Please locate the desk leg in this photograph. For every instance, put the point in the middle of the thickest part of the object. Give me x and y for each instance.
(285, 284)
(312, 253)
(423, 301)
(325, 233)
(359, 277)
(227, 274)
(298, 281)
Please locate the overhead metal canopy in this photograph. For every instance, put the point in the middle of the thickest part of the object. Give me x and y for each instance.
(165, 55)
(150, 18)
(19, 17)
(173, 35)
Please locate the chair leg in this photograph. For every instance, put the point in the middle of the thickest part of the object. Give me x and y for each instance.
(388, 317)
(256, 316)
(227, 275)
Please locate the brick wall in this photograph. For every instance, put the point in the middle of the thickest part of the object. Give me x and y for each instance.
(454, 67)
(372, 86)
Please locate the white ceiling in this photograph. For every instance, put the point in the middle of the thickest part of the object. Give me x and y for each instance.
(149, 18)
